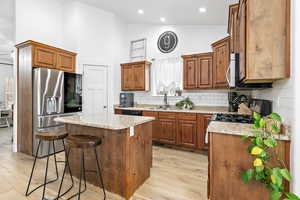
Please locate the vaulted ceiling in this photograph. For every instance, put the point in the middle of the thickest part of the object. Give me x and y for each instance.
(177, 12)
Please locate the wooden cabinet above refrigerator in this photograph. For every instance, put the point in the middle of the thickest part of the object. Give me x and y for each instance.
(50, 57)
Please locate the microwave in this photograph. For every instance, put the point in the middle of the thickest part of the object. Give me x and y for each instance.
(233, 76)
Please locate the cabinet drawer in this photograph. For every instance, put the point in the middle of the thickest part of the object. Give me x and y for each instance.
(150, 114)
(167, 115)
(187, 116)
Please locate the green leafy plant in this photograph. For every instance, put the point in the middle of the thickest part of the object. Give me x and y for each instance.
(265, 151)
(185, 103)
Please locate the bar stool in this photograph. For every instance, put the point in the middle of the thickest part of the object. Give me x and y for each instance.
(84, 142)
(50, 137)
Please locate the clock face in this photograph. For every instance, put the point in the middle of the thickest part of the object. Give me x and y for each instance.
(167, 42)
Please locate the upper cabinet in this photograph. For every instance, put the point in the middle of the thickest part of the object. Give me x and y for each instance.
(221, 61)
(264, 40)
(198, 71)
(233, 29)
(50, 57)
(135, 76)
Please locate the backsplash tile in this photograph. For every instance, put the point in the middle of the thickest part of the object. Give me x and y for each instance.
(219, 98)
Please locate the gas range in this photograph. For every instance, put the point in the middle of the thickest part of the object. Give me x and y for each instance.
(233, 118)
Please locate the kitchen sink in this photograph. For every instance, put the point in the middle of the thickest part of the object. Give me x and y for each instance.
(163, 108)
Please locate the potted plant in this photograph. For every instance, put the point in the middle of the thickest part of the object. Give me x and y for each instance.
(185, 104)
(263, 149)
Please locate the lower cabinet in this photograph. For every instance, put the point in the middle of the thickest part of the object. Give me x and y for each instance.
(187, 133)
(202, 124)
(167, 132)
(181, 129)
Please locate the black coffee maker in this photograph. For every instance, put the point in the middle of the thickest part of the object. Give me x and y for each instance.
(234, 100)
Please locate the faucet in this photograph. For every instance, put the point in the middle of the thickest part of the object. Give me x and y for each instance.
(166, 100)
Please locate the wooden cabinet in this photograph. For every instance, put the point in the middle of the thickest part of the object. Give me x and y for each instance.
(167, 131)
(198, 71)
(202, 124)
(179, 129)
(264, 43)
(187, 130)
(44, 57)
(65, 62)
(135, 76)
(228, 157)
(155, 124)
(221, 63)
(233, 29)
(118, 111)
(50, 57)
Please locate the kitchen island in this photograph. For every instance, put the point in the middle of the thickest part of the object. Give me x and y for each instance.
(125, 152)
(229, 157)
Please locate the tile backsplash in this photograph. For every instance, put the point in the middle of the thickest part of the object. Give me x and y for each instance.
(208, 98)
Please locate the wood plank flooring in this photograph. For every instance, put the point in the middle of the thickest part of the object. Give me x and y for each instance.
(176, 175)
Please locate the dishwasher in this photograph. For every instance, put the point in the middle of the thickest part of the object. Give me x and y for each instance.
(132, 112)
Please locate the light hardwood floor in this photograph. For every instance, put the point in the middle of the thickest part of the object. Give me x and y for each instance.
(176, 175)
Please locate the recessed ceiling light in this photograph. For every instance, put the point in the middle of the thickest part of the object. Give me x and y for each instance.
(140, 11)
(202, 9)
(162, 19)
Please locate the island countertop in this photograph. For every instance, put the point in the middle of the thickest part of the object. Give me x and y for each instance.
(105, 121)
(238, 129)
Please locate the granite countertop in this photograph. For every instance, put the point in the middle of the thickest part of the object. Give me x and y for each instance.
(196, 109)
(238, 129)
(105, 121)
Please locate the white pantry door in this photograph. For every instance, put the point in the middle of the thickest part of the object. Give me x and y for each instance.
(94, 89)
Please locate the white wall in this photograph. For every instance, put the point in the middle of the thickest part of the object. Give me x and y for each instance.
(191, 39)
(96, 35)
(40, 21)
(296, 108)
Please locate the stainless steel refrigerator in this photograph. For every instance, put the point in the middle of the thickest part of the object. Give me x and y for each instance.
(48, 103)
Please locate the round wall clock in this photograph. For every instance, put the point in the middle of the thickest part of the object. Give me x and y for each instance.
(167, 42)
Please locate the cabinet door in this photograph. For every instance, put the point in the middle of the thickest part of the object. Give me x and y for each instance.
(167, 131)
(44, 57)
(187, 133)
(242, 40)
(139, 77)
(190, 75)
(118, 111)
(202, 124)
(65, 62)
(204, 73)
(155, 124)
(127, 78)
(221, 64)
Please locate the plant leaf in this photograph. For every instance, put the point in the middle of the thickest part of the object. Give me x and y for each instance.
(285, 174)
(275, 129)
(256, 116)
(270, 142)
(277, 177)
(275, 195)
(259, 142)
(262, 123)
(291, 196)
(259, 168)
(275, 116)
(244, 137)
(247, 176)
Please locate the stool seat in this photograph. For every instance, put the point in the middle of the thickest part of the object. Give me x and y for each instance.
(83, 141)
(52, 135)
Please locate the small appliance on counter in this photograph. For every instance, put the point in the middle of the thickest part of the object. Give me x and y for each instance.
(234, 100)
(261, 106)
(126, 100)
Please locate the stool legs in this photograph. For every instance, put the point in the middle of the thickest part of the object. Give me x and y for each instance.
(99, 173)
(83, 175)
(46, 172)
